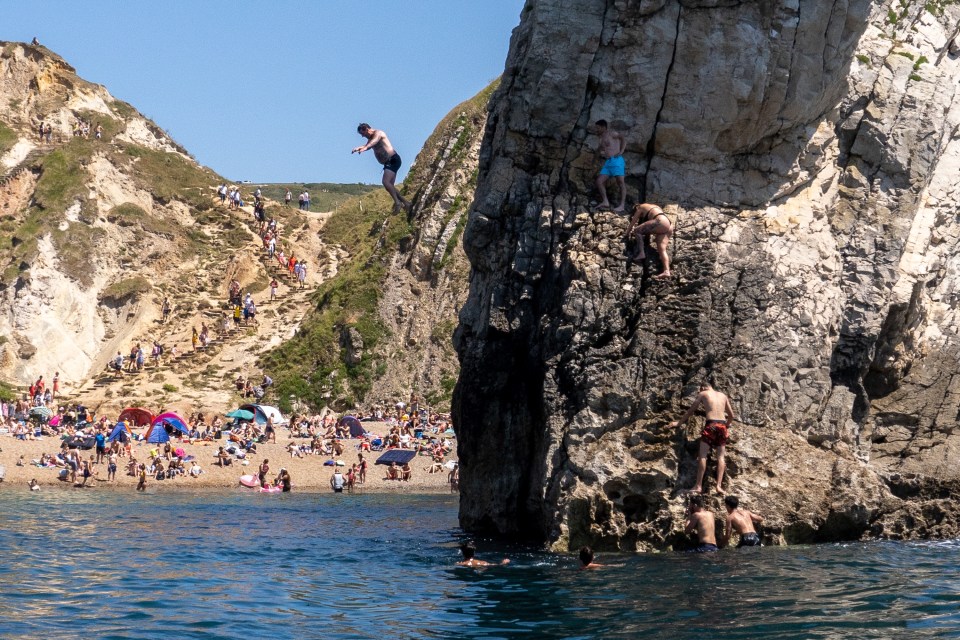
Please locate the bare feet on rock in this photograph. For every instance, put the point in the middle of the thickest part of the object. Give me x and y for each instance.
(663, 276)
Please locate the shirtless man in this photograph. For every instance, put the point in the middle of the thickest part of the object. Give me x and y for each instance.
(741, 521)
(468, 549)
(701, 520)
(650, 220)
(388, 157)
(612, 145)
(714, 434)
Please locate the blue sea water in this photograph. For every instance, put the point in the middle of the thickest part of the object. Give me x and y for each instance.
(212, 565)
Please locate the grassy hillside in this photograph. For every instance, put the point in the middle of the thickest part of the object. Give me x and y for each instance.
(310, 366)
(324, 196)
(63, 182)
(7, 138)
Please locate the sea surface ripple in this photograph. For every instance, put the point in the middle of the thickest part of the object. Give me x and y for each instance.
(215, 565)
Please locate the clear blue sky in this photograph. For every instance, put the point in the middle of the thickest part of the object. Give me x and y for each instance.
(273, 90)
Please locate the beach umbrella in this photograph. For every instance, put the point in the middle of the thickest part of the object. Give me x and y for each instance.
(42, 412)
(241, 414)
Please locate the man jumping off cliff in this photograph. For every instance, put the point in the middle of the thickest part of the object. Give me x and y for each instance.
(612, 145)
(650, 220)
(388, 157)
(715, 431)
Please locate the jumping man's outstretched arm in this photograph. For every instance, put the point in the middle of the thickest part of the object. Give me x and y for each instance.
(377, 137)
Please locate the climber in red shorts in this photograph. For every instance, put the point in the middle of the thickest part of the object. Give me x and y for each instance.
(715, 431)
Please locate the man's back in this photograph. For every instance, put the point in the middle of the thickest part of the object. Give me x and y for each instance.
(715, 404)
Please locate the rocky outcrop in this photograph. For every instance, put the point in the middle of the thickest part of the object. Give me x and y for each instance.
(808, 151)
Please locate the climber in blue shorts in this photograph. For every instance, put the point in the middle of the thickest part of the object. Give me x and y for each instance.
(612, 145)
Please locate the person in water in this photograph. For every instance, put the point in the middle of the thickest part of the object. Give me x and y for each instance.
(715, 432)
(701, 521)
(337, 481)
(283, 480)
(741, 521)
(586, 559)
(387, 156)
(468, 549)
(650, 220)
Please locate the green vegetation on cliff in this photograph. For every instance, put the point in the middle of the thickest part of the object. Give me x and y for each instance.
(7, 138)
(311, 366)
(63, 182)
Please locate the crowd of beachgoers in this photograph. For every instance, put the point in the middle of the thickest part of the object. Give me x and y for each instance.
(84, 449)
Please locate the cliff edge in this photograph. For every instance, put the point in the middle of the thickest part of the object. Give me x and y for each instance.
(806, 153)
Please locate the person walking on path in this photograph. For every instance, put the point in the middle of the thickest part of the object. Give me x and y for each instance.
(612, 146)
(715, 432)
(388, 157)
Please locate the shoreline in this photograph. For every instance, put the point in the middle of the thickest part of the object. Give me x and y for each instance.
(308, 473)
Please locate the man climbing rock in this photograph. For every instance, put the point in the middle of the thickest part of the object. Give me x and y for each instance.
(650, 220)
(387, 156)
(715, 432)
(701, 521)
(612, 145)
(741, 521)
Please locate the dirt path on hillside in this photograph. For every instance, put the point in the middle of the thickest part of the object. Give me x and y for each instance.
(202, 380)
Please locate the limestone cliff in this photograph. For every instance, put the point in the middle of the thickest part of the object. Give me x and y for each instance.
(807, 151)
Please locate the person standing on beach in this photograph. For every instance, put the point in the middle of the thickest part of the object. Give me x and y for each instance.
(612, 146)
(362, 469)
(701, 521)
(142, 473)
(741, 521)
(715, 432)
(387, 156)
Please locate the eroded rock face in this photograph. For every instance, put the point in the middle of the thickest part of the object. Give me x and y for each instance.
(806, 152)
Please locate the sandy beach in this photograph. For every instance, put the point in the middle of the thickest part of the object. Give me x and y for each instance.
(307, 473)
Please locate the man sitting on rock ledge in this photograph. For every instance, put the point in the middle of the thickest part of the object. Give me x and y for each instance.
(715, 432)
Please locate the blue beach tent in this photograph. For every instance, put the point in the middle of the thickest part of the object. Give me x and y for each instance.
(162, 425)
(120, 432)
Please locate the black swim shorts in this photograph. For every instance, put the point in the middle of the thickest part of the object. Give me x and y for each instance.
(393, 164)
(749, 540)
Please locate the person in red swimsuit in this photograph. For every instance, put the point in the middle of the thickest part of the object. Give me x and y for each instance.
(715, 431)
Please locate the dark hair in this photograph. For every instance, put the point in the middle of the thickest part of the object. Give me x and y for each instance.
(586, 555)
(601, 123)
(468, 549)
(732, 501)
(363, 126)
(696, 500)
